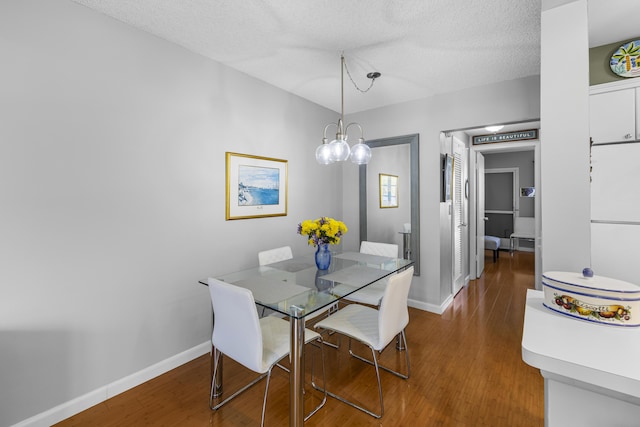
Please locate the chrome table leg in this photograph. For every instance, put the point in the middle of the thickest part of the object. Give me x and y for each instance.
(296, 374)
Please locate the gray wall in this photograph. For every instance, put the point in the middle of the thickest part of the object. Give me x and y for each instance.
(112, 186)
(523, 160)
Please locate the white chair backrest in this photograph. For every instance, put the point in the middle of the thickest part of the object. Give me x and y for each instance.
(524, 226)
(383, 249)
(393, 314)
(274, 255)
(236, 327)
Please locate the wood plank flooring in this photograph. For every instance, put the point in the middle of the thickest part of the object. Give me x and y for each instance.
(466, 370)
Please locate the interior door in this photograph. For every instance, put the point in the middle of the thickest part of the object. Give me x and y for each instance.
(459, 227)
(500, 202)
(480, 216)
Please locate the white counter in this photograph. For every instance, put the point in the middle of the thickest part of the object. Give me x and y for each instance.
(591, 371)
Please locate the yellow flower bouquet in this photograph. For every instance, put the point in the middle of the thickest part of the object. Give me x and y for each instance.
(322, 231)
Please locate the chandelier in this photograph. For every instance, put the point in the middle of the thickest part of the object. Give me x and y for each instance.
(338, 150)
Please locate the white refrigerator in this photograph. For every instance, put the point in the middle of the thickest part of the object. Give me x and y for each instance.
(615, 211)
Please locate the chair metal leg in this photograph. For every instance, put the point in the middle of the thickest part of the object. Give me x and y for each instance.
(216, 374)
(365, 410)
(399, 343)
(213, 384)
(324, 380)
(266, 393)
(398, 374)
(330, 344)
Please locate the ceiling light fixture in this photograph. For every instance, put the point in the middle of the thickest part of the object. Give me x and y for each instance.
(338, 150)
(494, 128)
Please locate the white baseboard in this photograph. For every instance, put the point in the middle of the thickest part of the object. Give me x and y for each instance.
(432, 308)
(79, 404)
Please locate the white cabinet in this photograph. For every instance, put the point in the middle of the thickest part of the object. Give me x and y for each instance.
(615, 211)
(614, 183)
(614, 251)
(613, 116)
(615, 206)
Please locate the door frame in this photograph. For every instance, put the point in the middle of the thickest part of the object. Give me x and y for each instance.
(502, 148)
(463, 227)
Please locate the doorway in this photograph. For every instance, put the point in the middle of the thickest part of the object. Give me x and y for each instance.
(523, 206)
(474, 202)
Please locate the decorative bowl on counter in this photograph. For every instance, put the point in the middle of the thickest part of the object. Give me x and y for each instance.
(596, 299)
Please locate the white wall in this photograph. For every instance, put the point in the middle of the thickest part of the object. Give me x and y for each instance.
(112, 176)
(564, 139)
(516, 100)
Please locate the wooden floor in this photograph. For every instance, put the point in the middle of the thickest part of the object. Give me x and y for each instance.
(466, 370)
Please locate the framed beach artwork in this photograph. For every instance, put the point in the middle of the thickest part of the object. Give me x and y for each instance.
(388, 191)
(256, 186)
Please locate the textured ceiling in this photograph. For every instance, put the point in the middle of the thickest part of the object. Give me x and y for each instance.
(421, 47)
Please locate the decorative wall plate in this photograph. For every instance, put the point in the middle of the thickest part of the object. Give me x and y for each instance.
(625, 62)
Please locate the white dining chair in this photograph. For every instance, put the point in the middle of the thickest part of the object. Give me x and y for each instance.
(271, 256)
(373, 293)
(389, 250)
(257, 344)
(375, 328)
(274, 255)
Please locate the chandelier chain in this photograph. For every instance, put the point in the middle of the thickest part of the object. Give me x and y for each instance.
(354, 83)
(338, 150)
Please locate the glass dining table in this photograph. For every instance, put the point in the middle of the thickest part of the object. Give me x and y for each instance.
(297, 289)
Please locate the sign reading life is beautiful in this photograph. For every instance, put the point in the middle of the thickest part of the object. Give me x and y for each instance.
(506, 137)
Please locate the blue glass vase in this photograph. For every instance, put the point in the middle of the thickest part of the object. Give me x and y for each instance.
(323, 257)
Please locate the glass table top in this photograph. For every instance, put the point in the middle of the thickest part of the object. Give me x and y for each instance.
(296, 287)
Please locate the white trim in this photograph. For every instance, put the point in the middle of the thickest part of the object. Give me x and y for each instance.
(431, 308)
(613, 86)
(79, 404)
(522, 146)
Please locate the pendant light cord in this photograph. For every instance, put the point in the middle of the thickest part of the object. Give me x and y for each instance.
(342, 68)
(373, 79)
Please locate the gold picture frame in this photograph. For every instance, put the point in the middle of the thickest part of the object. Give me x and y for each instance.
(388, 191)
(256, 186)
